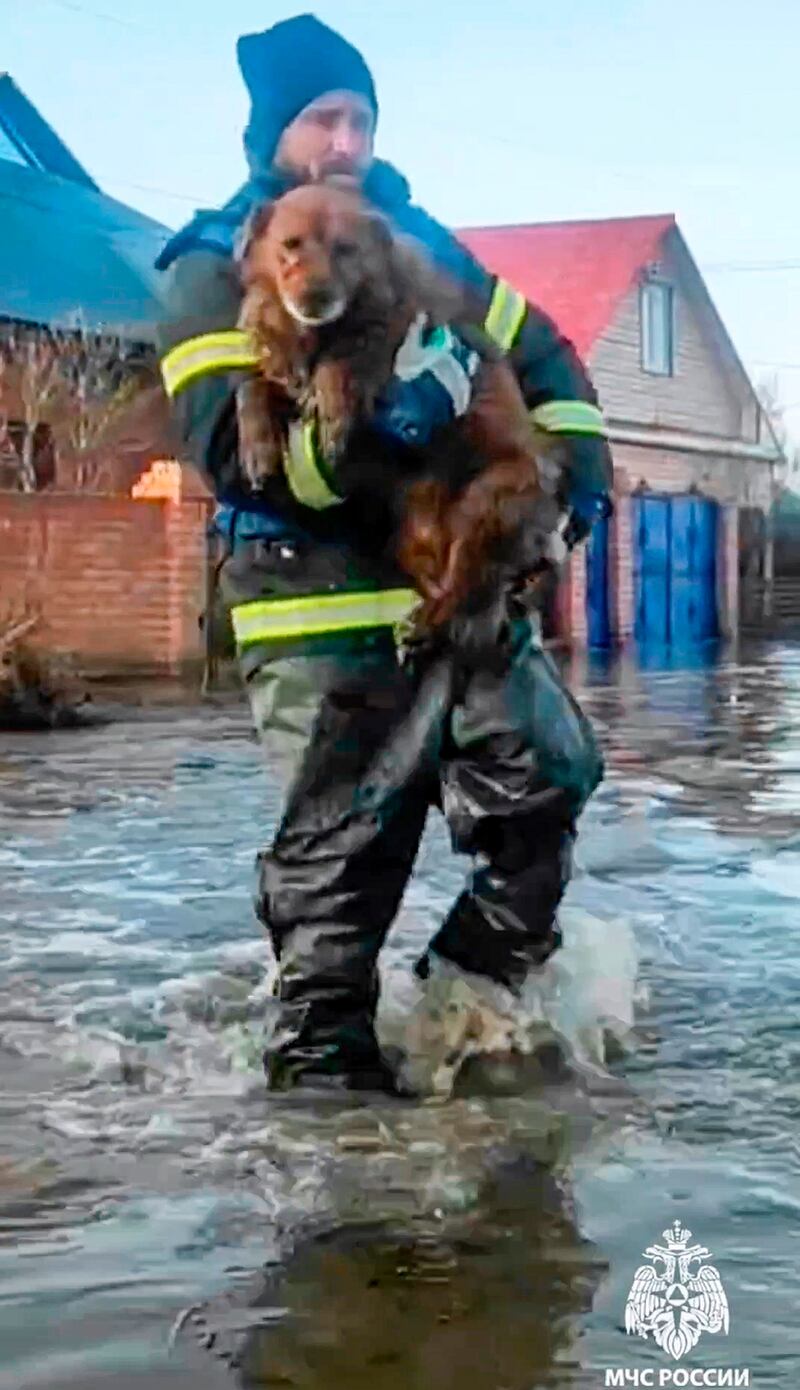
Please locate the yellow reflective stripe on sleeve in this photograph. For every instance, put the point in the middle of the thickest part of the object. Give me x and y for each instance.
(230, 350)
(305, 471)
(272, 620)
(506, 313)
(569, 417)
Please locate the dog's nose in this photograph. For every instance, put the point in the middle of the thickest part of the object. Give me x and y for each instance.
(318, 299)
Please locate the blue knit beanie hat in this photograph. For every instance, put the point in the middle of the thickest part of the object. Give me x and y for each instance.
(287, 67)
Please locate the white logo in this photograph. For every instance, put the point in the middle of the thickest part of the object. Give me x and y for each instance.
(677, 1306)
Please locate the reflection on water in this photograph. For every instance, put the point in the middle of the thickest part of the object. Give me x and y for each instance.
(496, 1302)
(143, 1171)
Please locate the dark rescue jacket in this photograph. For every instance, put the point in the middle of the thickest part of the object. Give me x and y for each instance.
(204, 357)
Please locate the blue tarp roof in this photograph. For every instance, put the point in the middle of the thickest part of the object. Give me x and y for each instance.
(27, 132)
(69, 253)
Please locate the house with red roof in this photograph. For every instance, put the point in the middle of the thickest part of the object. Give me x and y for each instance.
(693, 450)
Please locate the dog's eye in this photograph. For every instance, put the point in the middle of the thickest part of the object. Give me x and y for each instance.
(292, 243)
(345, 248)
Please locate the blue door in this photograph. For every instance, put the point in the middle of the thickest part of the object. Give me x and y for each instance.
(651, 532)
(675, 569)
(598, 617)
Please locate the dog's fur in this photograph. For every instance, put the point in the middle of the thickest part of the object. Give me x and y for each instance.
(329, 296)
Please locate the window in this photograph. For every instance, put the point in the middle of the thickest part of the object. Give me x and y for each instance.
(658, 328)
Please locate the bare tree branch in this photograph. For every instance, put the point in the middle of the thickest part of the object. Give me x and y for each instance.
(12, 634)
(86, 387)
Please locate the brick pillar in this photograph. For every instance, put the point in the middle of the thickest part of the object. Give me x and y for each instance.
(562, 604)
(728, 570)
(185, 537)
(620, 563)
(577, 629)
(171, 512)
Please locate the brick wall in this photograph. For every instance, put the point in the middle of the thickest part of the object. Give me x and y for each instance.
(119, 583)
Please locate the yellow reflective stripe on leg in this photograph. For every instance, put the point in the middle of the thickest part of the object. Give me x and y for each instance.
(506, 313)
(569, 417)
(305, 470)
(273, 620)
(226, 351)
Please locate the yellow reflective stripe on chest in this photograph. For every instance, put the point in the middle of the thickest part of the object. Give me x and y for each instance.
(569, 417)
(226, 351)
(274, 620)
(306, 472)
(506, 314)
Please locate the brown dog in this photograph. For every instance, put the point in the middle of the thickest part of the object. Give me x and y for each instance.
(330, 296)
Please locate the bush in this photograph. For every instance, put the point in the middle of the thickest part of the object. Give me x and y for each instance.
(38, 690)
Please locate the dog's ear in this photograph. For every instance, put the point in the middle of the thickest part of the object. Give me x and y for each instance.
(419, 282)
(380, 232)
(380, 290)
(389, 281)
(254, 226)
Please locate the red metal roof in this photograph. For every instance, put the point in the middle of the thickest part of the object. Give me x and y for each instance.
(578, 272)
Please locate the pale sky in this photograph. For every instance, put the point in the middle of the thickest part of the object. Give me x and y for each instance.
(510, 111)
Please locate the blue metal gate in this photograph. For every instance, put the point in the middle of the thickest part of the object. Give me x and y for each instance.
(675, 569)
(598, 617)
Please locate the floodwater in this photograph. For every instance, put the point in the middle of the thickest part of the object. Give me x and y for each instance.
(163, 1223)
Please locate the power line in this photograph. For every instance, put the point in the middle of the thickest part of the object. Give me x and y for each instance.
(778, 366)
(749, 267)
(110, 180)
(95, 14)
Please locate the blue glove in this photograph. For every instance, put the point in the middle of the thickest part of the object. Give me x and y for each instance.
(240, 524)
(589, 507)
(585, 509)
(431, 385)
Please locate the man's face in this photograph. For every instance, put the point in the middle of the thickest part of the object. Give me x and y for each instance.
(333, 135)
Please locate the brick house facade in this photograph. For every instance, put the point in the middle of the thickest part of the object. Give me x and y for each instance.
(692, 449)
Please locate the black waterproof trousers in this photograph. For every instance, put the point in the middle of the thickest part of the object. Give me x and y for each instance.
(364, 744)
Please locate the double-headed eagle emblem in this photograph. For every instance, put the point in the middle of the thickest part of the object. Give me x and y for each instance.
(669, 1301)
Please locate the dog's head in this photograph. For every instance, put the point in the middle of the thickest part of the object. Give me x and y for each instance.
(317, 247)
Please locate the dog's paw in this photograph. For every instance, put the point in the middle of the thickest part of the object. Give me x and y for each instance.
(260, 460)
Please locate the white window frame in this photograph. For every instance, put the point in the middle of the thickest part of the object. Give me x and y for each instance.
(661, 363)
